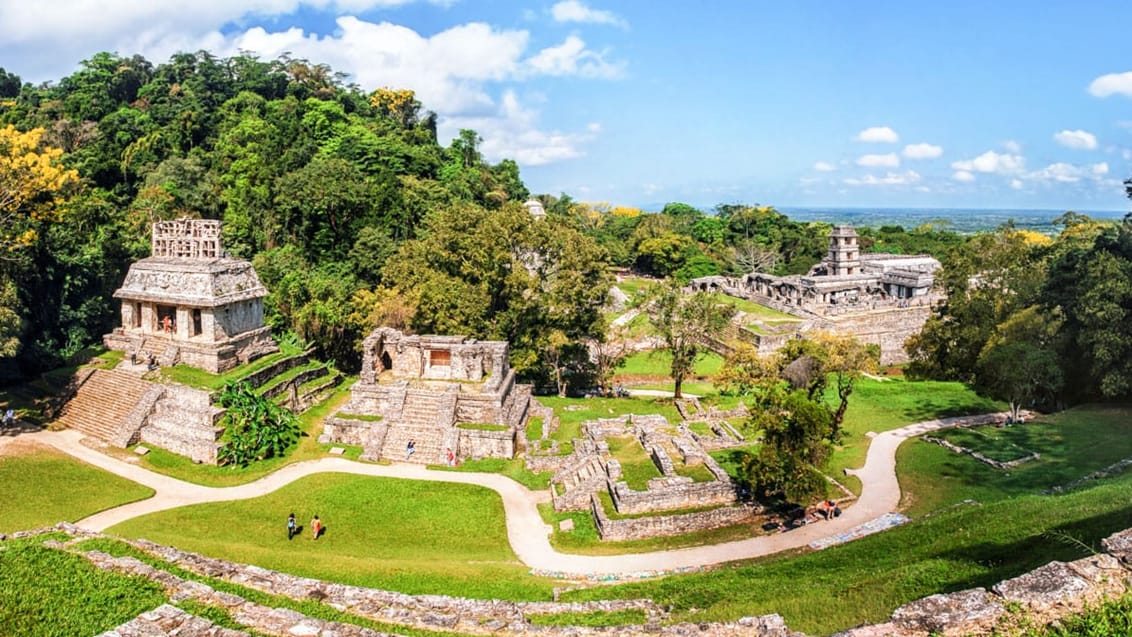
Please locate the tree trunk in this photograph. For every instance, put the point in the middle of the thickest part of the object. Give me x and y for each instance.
(679, 381)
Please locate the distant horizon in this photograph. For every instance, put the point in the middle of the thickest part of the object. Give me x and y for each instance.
(657, 207)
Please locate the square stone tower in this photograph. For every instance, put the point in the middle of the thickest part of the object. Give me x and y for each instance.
(190, 303)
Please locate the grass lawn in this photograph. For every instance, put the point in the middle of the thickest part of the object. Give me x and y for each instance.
(659, 363)
(45, 592)
(881, 405)
(405, 535)
(1072, 444)
(632, 285)
(863, 581)
(43, 487)
(515, 468)
(572, 412)
(307, 448)
(989, 441)
(763, 312)
(637, 467)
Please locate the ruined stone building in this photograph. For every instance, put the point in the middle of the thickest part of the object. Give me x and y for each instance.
(879, 298)
(190, 303)
(443, 393)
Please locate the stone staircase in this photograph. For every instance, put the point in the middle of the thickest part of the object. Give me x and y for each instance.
(421, 409)
(103, 403)
(432, 443)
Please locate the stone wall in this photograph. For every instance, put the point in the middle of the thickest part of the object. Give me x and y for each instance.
(479, 408)
(674, 493)
(237, 318)
(619, 530)
(888, 328)
(349, 431)
(479, 443)
(184, 421)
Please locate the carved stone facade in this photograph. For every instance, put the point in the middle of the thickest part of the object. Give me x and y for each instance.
(424, 388)
(878, 298)
(190, 304)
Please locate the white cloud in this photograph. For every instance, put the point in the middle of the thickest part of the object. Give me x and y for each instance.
(1059, 172)
(459, 72)
(922, 151)
(572, 58)
(889, 160)
(1016, 184)
(824, 166)
(1099, 169)
(574, 11)
(1112, 84)
(513, 132)
(890, 179)
(991, 162)
(1079, 139)
(1012, 146)
(963, 175)
(878, 135)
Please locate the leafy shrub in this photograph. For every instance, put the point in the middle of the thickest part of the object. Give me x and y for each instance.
(257, 427)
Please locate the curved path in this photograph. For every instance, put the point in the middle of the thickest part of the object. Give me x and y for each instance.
(528, 534)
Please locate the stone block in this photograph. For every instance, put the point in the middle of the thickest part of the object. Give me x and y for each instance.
(1119, 545)
(1044, 587)
(958, 613)
(566, 525)
(337, 451)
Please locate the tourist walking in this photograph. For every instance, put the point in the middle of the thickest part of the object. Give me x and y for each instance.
(291, 526)
(316, 527)
(410, 449)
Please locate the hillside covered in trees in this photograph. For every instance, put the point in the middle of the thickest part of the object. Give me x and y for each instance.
(355, 216)
(318, 182)
(352, 211)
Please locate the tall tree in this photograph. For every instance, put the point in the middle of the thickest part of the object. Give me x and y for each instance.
(32, 184)
(686, 323)
(795, 449)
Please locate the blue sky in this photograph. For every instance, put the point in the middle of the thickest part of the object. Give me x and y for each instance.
(1003, 104)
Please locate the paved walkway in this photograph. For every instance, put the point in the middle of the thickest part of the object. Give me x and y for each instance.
(526, 531)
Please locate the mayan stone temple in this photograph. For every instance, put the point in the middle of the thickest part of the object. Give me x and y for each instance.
(445, 394)
(189, 303)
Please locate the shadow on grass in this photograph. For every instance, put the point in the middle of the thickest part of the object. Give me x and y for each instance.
(932, 409)
(1066, 542)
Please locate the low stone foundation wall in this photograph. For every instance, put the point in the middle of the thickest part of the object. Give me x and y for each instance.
(997, 464)
(479, 443)
(347, 431)
(675, 495)
(665, 525)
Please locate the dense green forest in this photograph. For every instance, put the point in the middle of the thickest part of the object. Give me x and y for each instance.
(352, 211)
(355, 216)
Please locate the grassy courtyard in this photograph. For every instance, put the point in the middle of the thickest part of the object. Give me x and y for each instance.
(44, 487)
(405, 535)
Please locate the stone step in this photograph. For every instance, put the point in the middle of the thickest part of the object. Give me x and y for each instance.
(102, 403)
(429, 442)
